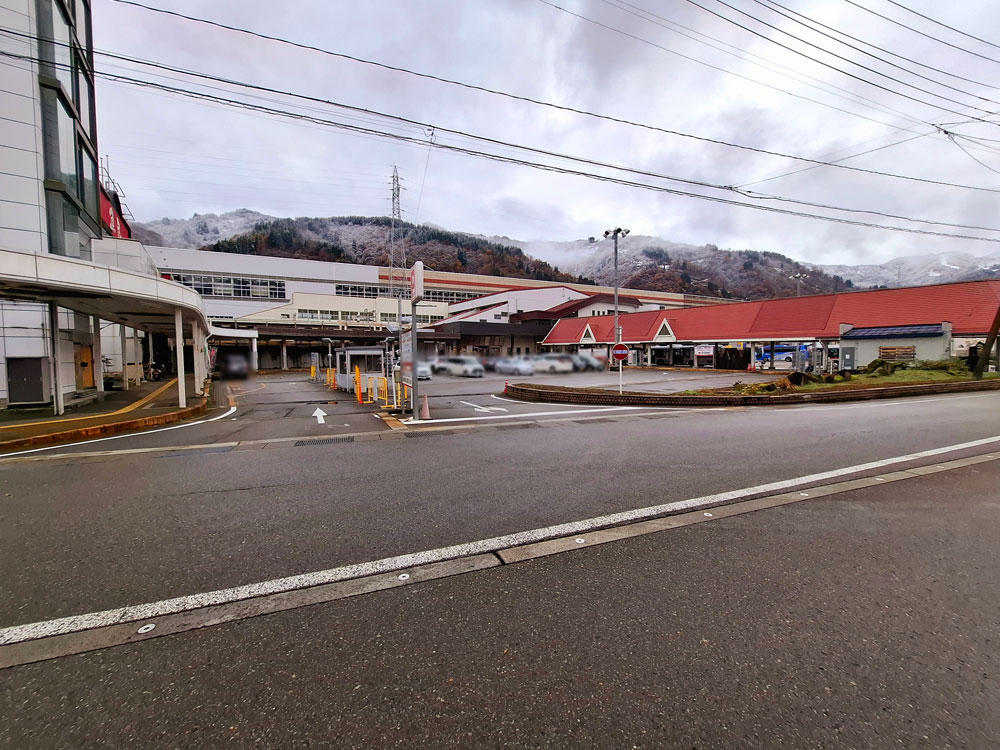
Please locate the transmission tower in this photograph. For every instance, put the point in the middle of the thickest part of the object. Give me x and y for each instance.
(392, 234)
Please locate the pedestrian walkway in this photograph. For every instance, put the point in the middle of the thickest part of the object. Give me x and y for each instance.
(155, 399)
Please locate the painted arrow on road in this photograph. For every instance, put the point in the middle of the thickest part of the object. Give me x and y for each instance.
(486, 409)
(320, 416)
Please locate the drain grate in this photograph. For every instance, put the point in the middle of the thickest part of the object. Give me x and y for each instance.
(599, 420)
(428, 434)
(516, 426)
(325, 441)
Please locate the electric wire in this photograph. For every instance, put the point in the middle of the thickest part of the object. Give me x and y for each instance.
(484, 89)
(834, 67)
(939, 23)
(745, 55)
(771, 7)
(716, 141)
(880, 49)
(921, 33)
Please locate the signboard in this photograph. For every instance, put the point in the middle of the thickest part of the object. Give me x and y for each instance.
(417, 281)
(704, 351)
(619, 352)
(406, 356)
(112, 219)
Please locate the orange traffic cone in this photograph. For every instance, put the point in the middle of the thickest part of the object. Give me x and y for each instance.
(425, 410)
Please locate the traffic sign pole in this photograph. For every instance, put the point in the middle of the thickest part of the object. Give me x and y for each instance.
(620, 352)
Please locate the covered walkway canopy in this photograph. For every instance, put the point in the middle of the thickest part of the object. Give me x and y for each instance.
(131, 298)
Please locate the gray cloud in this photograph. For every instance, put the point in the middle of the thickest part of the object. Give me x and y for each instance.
(175, 156)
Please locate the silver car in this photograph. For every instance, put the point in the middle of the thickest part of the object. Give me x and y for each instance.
(512, 366)
(468, 367)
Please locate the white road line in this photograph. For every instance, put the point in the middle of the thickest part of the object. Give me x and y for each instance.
(579, 406)
(526, 415)
(896, 402)
(118, 437)
(76, 623)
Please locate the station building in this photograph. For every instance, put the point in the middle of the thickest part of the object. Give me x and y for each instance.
(912, 323)
(297, 307)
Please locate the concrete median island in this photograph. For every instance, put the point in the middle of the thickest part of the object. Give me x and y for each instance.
(793, 388)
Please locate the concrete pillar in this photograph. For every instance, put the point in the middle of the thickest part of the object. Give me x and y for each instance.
(197, 354)
(137, 355)
(179, 349)
(253, 355)
(58, 405)
(124, 343)
(284, 355)
(770, 364)
(649, 355)
(95, 324)
(827, 364)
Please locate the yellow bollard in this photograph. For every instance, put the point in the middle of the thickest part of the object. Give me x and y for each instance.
(357, 385)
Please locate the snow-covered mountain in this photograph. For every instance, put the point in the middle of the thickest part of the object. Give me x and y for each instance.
(918, 270)
(199, 230)
(743, 273)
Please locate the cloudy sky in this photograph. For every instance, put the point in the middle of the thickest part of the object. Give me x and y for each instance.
(174, 155)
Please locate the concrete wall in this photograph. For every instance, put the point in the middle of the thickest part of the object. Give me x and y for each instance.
(936, 347)
(24, 333)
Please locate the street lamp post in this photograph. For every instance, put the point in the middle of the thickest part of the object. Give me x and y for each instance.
(329, 352)
(615, 233)
(798, 282)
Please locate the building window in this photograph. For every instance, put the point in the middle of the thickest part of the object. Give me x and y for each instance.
(60, 141)
(63, 219)
(387, 317)
(209, 285)
(60, 52)
(85, 102)
(88, 183)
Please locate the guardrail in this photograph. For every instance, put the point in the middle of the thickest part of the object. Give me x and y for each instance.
(566, 395)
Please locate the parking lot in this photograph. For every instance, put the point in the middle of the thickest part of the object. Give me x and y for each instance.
(451, 397)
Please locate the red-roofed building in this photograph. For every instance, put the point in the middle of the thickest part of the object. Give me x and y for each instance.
(962, 312)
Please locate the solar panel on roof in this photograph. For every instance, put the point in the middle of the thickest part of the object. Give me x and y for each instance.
(885, 332)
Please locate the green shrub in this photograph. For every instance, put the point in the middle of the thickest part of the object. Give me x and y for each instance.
(951, 364)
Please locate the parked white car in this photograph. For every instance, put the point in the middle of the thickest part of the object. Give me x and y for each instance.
(512, 366)
(553, 363)
(468, 367)
(423, 371)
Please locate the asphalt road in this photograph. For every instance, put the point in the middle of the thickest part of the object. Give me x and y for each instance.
(868, 619)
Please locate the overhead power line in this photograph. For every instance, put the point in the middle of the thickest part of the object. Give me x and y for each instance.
(939, 23)
(424, 125)
(484, 89)
(921, 33)
(910, 60)
(751, 57)
(775, 8)
(524, 162)
(833, 67)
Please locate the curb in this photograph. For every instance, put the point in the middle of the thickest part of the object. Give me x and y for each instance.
(548, 394)
(110, 428)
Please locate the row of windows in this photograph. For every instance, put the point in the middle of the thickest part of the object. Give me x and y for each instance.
(68, 124)
(382, 290)
(356, 317)
(209, 285)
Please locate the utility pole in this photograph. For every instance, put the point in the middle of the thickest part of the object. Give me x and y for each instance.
(615, 233)
(984, 353)
(393, 292)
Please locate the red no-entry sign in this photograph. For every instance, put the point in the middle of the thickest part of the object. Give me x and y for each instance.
(619, 352)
